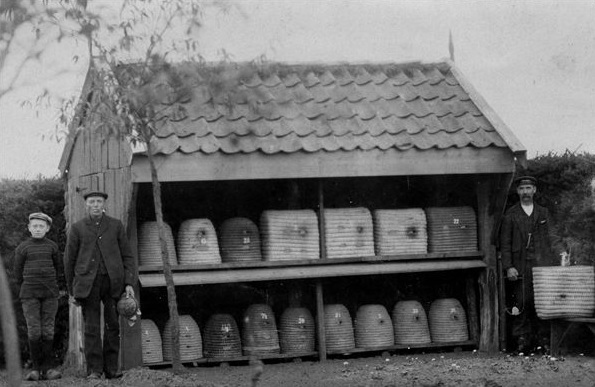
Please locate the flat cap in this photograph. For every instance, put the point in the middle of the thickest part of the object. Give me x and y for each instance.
(95, 193)
(41, 216)
(526, 180)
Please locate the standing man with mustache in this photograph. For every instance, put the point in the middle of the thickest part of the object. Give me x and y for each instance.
(99, 267)
(526, 242)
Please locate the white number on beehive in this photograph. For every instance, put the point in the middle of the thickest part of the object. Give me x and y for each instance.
(301, 320)
(456, 221)
(264, 316)
(225, 328)
(246, 240)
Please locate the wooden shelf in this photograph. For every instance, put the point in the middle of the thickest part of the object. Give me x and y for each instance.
(328, 261)
(205, 360)
(409, 346)
(322, 268)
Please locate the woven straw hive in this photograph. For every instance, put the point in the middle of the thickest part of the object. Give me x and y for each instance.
(197, 242)
(339, 328)
(297, 334)
(398, 232)
(289, 235)
(373, 327)
(259, 334)
(451, 229)
(149, 247)
(240, 240)
(410, 323)
(448, 322)
(151, 342)
(222, 337)
(349, 232)
(190, 340)
(564, 291)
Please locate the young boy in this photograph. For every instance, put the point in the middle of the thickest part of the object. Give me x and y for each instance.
(40, 276)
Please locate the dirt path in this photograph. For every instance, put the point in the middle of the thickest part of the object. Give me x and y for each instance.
(435, 369)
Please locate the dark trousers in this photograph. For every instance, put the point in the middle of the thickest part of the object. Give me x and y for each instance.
(526, 323)
(101, 358)
(40, 314)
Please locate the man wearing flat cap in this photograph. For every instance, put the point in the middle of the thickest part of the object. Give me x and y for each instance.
(526, 242)
(99, 267)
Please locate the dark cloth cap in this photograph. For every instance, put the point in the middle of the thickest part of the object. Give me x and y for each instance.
(526, 180)
(41, 216)
(95, 193)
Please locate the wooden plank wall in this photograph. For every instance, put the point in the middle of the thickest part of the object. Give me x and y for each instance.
(101, 163)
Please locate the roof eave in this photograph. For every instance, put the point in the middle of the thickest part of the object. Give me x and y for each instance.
(513, 143)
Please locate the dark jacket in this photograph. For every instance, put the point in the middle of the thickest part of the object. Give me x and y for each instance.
(80, 262)
(514, 234)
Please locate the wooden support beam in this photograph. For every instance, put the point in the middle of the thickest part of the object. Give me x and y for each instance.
(320, 329)
(488, 284)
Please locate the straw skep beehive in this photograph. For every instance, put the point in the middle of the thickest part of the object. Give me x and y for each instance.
(448, 322)
(296, 331)
(190, 339)
(222, 337)
(564, 291)
(410, 323)
(398, 232)
(239, 240)
(149, 246)
(349, 232)
(373, 327)
(197, 242)
(451, 229)
(289, 235)
(152, 351)
(259, 333)
(339, 328)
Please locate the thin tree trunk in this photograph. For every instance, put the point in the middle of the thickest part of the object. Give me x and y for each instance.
(169, 279)
(12, 352)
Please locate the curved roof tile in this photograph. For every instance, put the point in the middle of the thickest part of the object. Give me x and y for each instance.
(313, 108)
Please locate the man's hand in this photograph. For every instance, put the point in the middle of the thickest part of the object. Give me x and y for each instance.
(73, 301)
(512, 274)
(129, 291)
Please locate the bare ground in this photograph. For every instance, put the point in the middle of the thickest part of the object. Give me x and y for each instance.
(433, 369)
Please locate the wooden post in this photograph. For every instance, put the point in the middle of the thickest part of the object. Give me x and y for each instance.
(488, 287)
(319, 291)
(320, 321)
(472, 314)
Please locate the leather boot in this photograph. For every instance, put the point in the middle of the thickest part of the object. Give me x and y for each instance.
(36, 358)
(49, 372)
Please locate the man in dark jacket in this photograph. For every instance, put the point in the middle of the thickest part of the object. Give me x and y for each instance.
(99, 267)
(526, 242)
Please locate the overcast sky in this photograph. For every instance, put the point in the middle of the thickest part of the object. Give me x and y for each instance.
(533, 61)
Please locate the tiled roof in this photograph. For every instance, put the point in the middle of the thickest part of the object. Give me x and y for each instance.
(314, 108)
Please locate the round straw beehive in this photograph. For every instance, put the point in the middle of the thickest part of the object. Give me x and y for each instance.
(289, 235)
(297, 334)
(197, 242)
(190, 340)
(564, 291)
(398, 232)
(448, 322)
(339, 328)
(259, 334)
(149, 247)
(151, 342)
(373, 327)
(349, 232)
(240, 240)
(222, 337)
(410, 323)
(451, 229)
